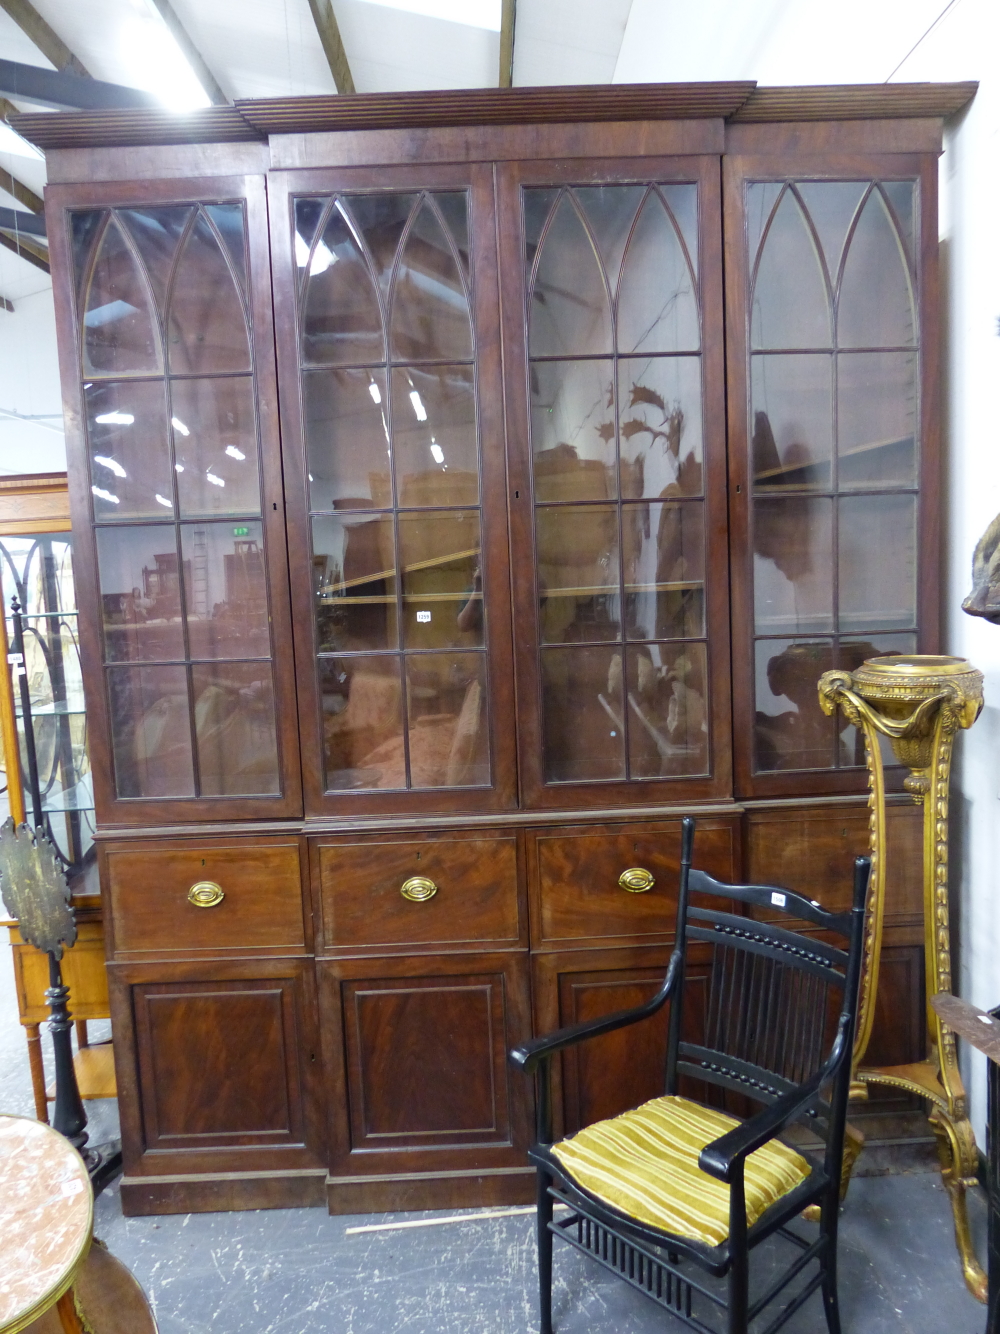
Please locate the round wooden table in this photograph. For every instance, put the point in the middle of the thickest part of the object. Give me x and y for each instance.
(46, 1223)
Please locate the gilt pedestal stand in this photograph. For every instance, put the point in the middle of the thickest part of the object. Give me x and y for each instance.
(918, 702)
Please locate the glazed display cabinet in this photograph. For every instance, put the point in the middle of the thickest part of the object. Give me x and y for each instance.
(466, 486)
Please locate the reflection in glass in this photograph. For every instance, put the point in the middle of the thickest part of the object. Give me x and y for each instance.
(877, 419)
(207, 327)
(156, 232)
(831, 206)
(663, 555)
(430, 310)
(129, 458)
(215, 446)
(573, 430)
(570, 312)
(659, 425)
(120, 336)
(439, 556)
(354, 573)
(434, 436)
(342, 319)
(875, 307)
(901, 198)
(447, 729)
(347, 439)
(151, 731)
(234, 725)
(791, 304)
(381, 219)
(610, 210)
(362, 711)
(791, 731)
(851, 653)
(657, 310)
(667, 701)
(228, 220)
(140, 594)
(578, 573)
(225, 590)
(793, 565)
(878, 594)
(453, 205)
(791, 401)
(583, 732)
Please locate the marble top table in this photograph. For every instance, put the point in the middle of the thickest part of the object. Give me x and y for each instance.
(46, 1219)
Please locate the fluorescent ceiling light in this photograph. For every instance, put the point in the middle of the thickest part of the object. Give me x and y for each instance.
(437, 453)
(11, 142)
(156, 63)
(375, 392)
(164, 501)
(105, 495)
(115, 419)
(114, 310)
(235, 453)
(178, 467)
(216, 481)
(112, 464)
(473, 13)
(418, 406)
(178, 425)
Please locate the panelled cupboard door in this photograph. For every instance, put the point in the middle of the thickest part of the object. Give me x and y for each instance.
(165, 332)
(389, 356)
(831, 272)
(612, 309)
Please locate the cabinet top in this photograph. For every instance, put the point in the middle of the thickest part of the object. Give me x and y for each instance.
(253, 120)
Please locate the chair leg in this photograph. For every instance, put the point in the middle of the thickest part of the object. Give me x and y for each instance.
(544, 1253)
(828, 1229)
(739, 1298)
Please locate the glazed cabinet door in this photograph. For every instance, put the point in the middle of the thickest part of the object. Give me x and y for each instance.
(167, 358)
(610, 277)
(393, 435)
(833, 399)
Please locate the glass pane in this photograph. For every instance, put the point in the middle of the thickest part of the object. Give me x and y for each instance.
(583, 734)
(453, 206)
(430, 310)
(791, 305)
(215, 446)
(791, 399)
(156, 232)
(354, 570)
(234, 723)
(434, 436)
(611, 211)
(84, 226)
(228, 220)
(877, 419)
(761, 198)
(448, 722)
(877, 593)
(663, 552)
(791, 731)
(129, 457)
(578, 589)
(380, 220)
(901, 196)
(668, 710)
(659, 423)
(657, 310)
(207, 329)
(573, 430)
(342, 320)
(537, 205)
(442, 580)
(362, 711)
(851, 654)
(831, 206)
(570, 314)
(225, 588)
(347, 439)
(151, 731)
(140, 594)
(120, 331)
(682, 200)
(793, 565)
(875, 306)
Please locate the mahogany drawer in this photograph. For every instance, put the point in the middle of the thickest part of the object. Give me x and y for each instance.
(576, 877)
(458, 891)
(260, 908)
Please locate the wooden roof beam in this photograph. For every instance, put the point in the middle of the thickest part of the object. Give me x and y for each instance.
(51, 45)
(35, 255)
(333, 45)
(190, 52)
(12, 186)
(68, 91)
(508, 15)
(6, 304)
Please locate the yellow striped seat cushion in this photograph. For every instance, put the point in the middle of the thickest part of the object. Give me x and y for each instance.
(645, 1163)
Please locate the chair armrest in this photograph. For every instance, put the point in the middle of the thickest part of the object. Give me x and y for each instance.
(529, 1055)
(720, 1158)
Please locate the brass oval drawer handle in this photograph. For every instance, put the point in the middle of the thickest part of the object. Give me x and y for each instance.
(206, 894)
(418, 889)
(636, 880)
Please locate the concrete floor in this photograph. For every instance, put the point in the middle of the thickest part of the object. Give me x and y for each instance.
(295, 1271)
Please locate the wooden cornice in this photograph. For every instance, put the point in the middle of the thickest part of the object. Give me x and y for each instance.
(34, 503)
(254, 119)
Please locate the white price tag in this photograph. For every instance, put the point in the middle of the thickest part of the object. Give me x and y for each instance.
(778, 900)
(423, 617)
(15, 657)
